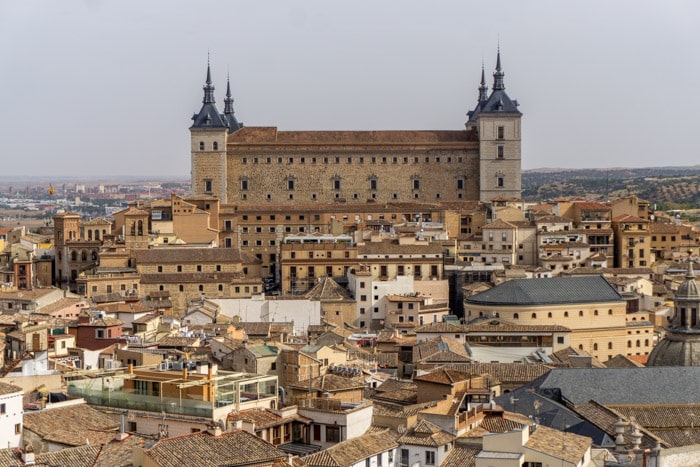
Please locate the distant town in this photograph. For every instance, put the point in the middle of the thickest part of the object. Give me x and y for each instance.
(349, 299)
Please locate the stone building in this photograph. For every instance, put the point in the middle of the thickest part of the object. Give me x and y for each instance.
(253, 165)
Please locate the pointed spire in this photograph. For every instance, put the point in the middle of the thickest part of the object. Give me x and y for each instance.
(208, 87)
(690, 274)
(483, 89)
(228, 102)
(498, 84)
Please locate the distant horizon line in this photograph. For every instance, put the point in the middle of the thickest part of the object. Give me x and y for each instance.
(186, 178)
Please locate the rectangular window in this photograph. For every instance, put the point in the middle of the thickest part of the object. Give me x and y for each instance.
(332, 434)
(317, 432)
(18, 428)
(429, 458)
(501, 132)
(416, 184)
(244, 185)
(208, 185)
(460, 184)
(500, 151)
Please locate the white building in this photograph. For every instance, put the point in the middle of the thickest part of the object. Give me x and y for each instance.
(11, 413)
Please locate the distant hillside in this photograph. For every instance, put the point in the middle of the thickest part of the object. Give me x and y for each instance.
(668, 187)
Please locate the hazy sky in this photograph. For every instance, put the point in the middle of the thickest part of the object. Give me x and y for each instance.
(90, 88)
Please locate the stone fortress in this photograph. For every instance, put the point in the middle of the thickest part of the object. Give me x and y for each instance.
(258, 165)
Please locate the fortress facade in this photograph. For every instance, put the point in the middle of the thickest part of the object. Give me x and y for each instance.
(257, 165)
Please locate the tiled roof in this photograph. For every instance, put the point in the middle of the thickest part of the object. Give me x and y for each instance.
(548, 291)
(629, 218)
(191, 255)
(82, 456)
(440, 349)
(621, 361)
(352, 451)
(605, 418)
(189, 277)
(461, 456)
(592, 206)
(609, 271)
(230, 449)
(663, 228)
(508, 373)
(559, 444)
(503, 326)
(502, 424)
(60, 305)
(426, 434)
(568, 357)
(72, 425)
(6, 388)
(119, 453)
(440, 327)
(174, 341)
(444, 376)
(331, 382)
(328, 289)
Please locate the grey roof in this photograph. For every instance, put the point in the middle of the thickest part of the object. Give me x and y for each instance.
(607, 386)
(209, 116)
(548, 291)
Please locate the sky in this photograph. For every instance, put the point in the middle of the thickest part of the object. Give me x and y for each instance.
(92, 88)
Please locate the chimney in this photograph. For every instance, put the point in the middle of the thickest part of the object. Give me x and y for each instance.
(122, 435)
(28, 455)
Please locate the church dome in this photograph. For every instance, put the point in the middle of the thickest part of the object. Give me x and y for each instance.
(676, 350)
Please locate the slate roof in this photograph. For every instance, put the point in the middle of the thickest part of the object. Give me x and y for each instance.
(352, 451)
(548, 291)
(230, 449)
(648, 385)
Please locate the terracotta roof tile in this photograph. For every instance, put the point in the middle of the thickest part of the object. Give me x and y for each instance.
(230, 448)
(567, 446)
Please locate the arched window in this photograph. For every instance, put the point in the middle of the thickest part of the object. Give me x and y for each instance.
(629, 344)
(201, 288)
(160, 287)
(160, 268)
(595, 346)
(566, 314)
(74, 256)
(610, 345)
(515, 316)
(534, 316)
(646, 342)
(221, 288)
(580, 346)
(638, 343)
(580, 312)
(140, 228)
(94, 255)
(549, 315)
(595, 312)
(215, 146)
(97, 234)
(83, 255)
(201, 145)
(610, 311)
(89, 234)
(133, 228)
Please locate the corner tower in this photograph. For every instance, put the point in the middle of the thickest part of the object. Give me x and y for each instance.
(208, 145)
(496, 118)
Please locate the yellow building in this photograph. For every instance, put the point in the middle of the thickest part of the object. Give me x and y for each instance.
(589, 306)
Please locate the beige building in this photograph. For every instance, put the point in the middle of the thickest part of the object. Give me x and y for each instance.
(632, 242)
(188, 273)
(248, 165)
(589, 306)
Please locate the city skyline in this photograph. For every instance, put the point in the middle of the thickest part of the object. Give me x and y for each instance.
(95, 88)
